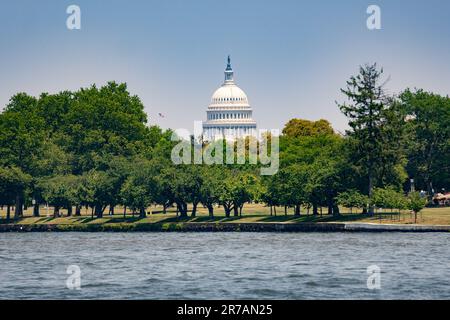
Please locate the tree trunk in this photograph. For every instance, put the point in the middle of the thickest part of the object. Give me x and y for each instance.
(236, 211)
(18, 212)
(336, 210)
(315, 209)
(98, 211)
(183, 209)
(240, 210)
(194, 209)
(36, 209)
(297, 210)
(124, 212)
(8, 212)
(430, 189)
(371, 209)
(285, 210)
(56, 212)
(142, 213)
(227, 209)
(111, 210)
(77, 210)
(69, 210)
(210, 210)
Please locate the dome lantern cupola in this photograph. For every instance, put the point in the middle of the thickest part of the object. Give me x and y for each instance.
(229, 72)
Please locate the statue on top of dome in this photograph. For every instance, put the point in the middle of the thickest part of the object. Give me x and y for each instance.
(229, 63)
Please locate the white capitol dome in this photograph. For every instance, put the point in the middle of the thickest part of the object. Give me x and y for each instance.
(229, 94)
(229, 114)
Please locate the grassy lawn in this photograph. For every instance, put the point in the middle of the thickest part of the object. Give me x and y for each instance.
(252, 213)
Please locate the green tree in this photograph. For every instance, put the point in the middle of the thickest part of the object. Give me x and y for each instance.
(104, 122)
(141, 188)
(352, 199)
(416, 203)
(97, 191)
(211, 187)
(178, 185)
(22, 133)
(13, 183)
(296, 128)
(296, 192)
(429, 139)
(315, 168)
(368, 120)
(135, 195)
(246, 190)
(60, 192)
(274, 191)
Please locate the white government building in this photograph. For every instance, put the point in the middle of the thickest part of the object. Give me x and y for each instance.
(229, 115)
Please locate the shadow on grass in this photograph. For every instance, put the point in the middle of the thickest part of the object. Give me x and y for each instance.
(282, 219)
(21, 220)
(5, 221)
(345, 217)
(113, 219)
(87, 219)
(44, 220)
(245, 218)
(214, 219)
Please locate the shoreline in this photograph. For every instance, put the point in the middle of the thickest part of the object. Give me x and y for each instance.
(224, 227)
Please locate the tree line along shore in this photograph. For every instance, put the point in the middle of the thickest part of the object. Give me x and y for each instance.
(94, 149)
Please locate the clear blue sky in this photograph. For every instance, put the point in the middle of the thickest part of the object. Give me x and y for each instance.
(291, 57)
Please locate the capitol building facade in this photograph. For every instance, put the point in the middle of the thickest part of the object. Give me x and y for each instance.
(229, 115)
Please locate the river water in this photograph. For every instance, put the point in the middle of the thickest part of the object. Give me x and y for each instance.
(224, 265)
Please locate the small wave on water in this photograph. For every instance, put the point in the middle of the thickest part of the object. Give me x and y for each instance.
(264, 292)
(153, 280)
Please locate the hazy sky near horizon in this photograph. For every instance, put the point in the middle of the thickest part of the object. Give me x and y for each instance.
(290, 57)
